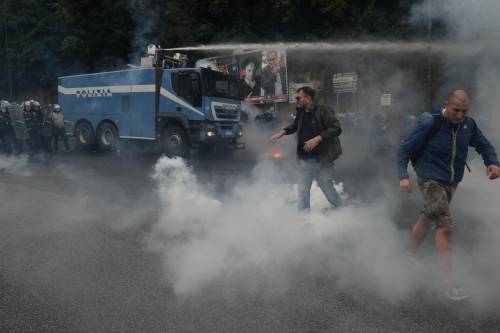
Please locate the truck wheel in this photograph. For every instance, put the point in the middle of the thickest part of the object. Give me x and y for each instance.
(107, 137)
(174, 141)
(84, 134)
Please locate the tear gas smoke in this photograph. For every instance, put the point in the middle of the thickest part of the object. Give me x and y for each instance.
(254, 240)
(15, 165)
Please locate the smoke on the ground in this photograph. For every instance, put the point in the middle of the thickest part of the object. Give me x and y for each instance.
(255, 241)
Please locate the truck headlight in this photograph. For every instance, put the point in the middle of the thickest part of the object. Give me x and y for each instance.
(240, 133)
(211, 134)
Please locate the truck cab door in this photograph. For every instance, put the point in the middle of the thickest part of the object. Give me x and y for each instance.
(187, 86)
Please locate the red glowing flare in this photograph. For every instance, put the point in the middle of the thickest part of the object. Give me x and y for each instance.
(277, 155)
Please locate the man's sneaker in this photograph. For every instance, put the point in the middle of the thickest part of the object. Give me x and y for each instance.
(455, 293)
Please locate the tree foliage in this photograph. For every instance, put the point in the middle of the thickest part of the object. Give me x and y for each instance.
(42, 40)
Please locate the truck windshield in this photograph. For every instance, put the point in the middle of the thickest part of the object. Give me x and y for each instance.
(217, 84)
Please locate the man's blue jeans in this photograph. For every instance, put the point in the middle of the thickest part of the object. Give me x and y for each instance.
(310, 171)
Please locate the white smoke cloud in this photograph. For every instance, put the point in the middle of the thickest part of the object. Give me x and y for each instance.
(464, 19)
(255, 240)
(15, 164)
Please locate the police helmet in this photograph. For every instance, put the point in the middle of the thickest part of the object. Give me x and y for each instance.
(4, 106)
(56, 108)
(35, 105)
(26, 106)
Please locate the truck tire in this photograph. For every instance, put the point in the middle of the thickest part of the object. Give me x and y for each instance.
(84, 135)
(174, 141)
(107, 137)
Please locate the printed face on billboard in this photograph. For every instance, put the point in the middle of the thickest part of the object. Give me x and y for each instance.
(262, 75)
(274, 76)
(250, 76)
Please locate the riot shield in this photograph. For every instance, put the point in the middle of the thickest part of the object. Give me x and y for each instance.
(16, 114)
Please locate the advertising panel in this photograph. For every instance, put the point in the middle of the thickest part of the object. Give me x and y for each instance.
(262, 74)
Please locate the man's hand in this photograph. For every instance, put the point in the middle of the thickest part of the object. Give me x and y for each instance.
(493, 171)
(277, 136)
(405, 185)
(312, 143)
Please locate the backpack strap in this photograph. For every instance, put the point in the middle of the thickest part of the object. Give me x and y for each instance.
(436, 125)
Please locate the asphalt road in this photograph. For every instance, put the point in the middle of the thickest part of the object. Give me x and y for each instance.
(73, 258)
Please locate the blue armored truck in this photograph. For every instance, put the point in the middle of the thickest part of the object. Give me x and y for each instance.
(178, 108)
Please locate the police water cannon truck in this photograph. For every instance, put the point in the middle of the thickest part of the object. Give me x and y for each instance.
(161, 100)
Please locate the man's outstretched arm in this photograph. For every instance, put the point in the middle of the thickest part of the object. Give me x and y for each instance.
(290, 129)
(486, 150)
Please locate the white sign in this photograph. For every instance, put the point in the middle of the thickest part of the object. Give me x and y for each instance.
(386, 100)
(345, 82)
(292, 90)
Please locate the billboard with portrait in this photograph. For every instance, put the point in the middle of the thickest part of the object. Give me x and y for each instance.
(262, 74)
(274, 76)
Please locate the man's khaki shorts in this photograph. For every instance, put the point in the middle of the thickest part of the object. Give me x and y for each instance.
(437, 197)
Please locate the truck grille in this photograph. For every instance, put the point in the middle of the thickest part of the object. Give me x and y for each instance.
(226, 114)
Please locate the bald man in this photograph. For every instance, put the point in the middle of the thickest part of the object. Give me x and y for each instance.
(438, 147)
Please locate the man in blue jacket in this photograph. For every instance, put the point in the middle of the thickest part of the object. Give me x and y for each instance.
(438, 149)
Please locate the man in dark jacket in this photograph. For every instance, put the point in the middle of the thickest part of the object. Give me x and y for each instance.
(438, 148)
(318, 146)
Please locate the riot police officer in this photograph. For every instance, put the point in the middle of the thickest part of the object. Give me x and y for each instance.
(32, 118)
(36, 107)
(46, 131)
(29, 122)
(7, 136)
(58, 128)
